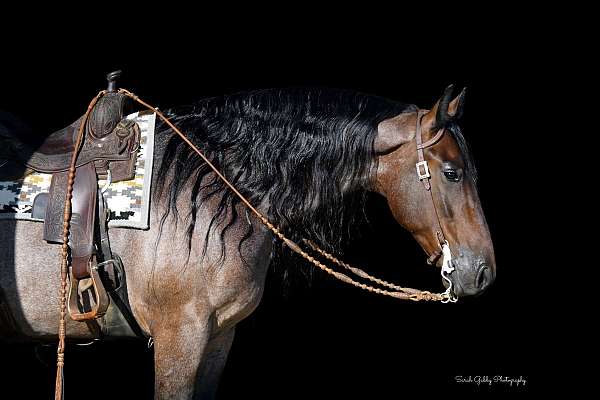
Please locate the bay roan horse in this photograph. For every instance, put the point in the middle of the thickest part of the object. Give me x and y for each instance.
(305, 158)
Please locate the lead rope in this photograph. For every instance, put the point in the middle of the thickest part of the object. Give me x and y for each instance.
(398, 293)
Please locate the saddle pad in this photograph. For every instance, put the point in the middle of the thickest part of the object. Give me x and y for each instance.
(128, 201)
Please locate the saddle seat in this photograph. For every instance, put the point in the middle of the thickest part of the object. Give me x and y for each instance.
(109, 141)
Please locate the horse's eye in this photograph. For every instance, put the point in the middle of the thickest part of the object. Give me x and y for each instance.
(452, 175)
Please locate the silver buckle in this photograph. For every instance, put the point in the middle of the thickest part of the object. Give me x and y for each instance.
(423, 170)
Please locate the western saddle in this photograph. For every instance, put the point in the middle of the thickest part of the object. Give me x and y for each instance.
(108, 151)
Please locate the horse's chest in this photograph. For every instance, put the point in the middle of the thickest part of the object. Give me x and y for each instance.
(240, 305)
(239, 287)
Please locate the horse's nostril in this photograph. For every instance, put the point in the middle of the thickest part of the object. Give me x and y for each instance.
(483, 277)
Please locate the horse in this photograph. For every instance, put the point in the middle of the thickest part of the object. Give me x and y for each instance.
(306, 158)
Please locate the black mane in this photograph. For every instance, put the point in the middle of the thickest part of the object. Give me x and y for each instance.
(305, 156)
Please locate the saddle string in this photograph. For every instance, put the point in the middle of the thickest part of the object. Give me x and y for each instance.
(399, 293)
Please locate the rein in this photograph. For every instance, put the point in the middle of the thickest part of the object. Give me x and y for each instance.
(398, 292)
(64, 266)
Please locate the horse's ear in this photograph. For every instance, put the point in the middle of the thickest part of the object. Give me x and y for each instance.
(440, 109)
(394, 132)
(455, 109)
(445, 110)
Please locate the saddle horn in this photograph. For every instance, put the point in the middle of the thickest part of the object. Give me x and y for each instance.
(112, 80)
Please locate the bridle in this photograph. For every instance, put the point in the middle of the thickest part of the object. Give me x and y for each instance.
(424, 176)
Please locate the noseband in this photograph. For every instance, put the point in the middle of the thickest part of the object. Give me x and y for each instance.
(424, 176)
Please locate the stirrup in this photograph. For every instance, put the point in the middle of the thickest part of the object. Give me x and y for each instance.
(101, 299)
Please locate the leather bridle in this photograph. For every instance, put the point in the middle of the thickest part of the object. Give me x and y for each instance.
(424, 176)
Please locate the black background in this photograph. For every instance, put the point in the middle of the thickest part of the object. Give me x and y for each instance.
(323, 339)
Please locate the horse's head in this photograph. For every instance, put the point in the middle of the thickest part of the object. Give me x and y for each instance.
(445, 201)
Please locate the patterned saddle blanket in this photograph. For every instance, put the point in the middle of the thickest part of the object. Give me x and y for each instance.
(128, 201)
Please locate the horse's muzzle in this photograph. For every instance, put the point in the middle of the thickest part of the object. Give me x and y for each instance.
(472, 275)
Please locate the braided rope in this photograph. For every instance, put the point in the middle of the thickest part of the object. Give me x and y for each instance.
(357, 271)
(399, 293)
(64, 266)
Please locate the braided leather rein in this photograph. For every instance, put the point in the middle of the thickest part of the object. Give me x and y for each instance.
(398, 292)
(64, 266)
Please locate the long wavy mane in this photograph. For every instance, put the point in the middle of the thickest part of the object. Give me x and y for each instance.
(305, 156)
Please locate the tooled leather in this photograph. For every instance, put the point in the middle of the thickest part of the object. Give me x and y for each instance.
(118, 146)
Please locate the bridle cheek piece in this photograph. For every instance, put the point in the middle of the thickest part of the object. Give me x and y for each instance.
(424, 176)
